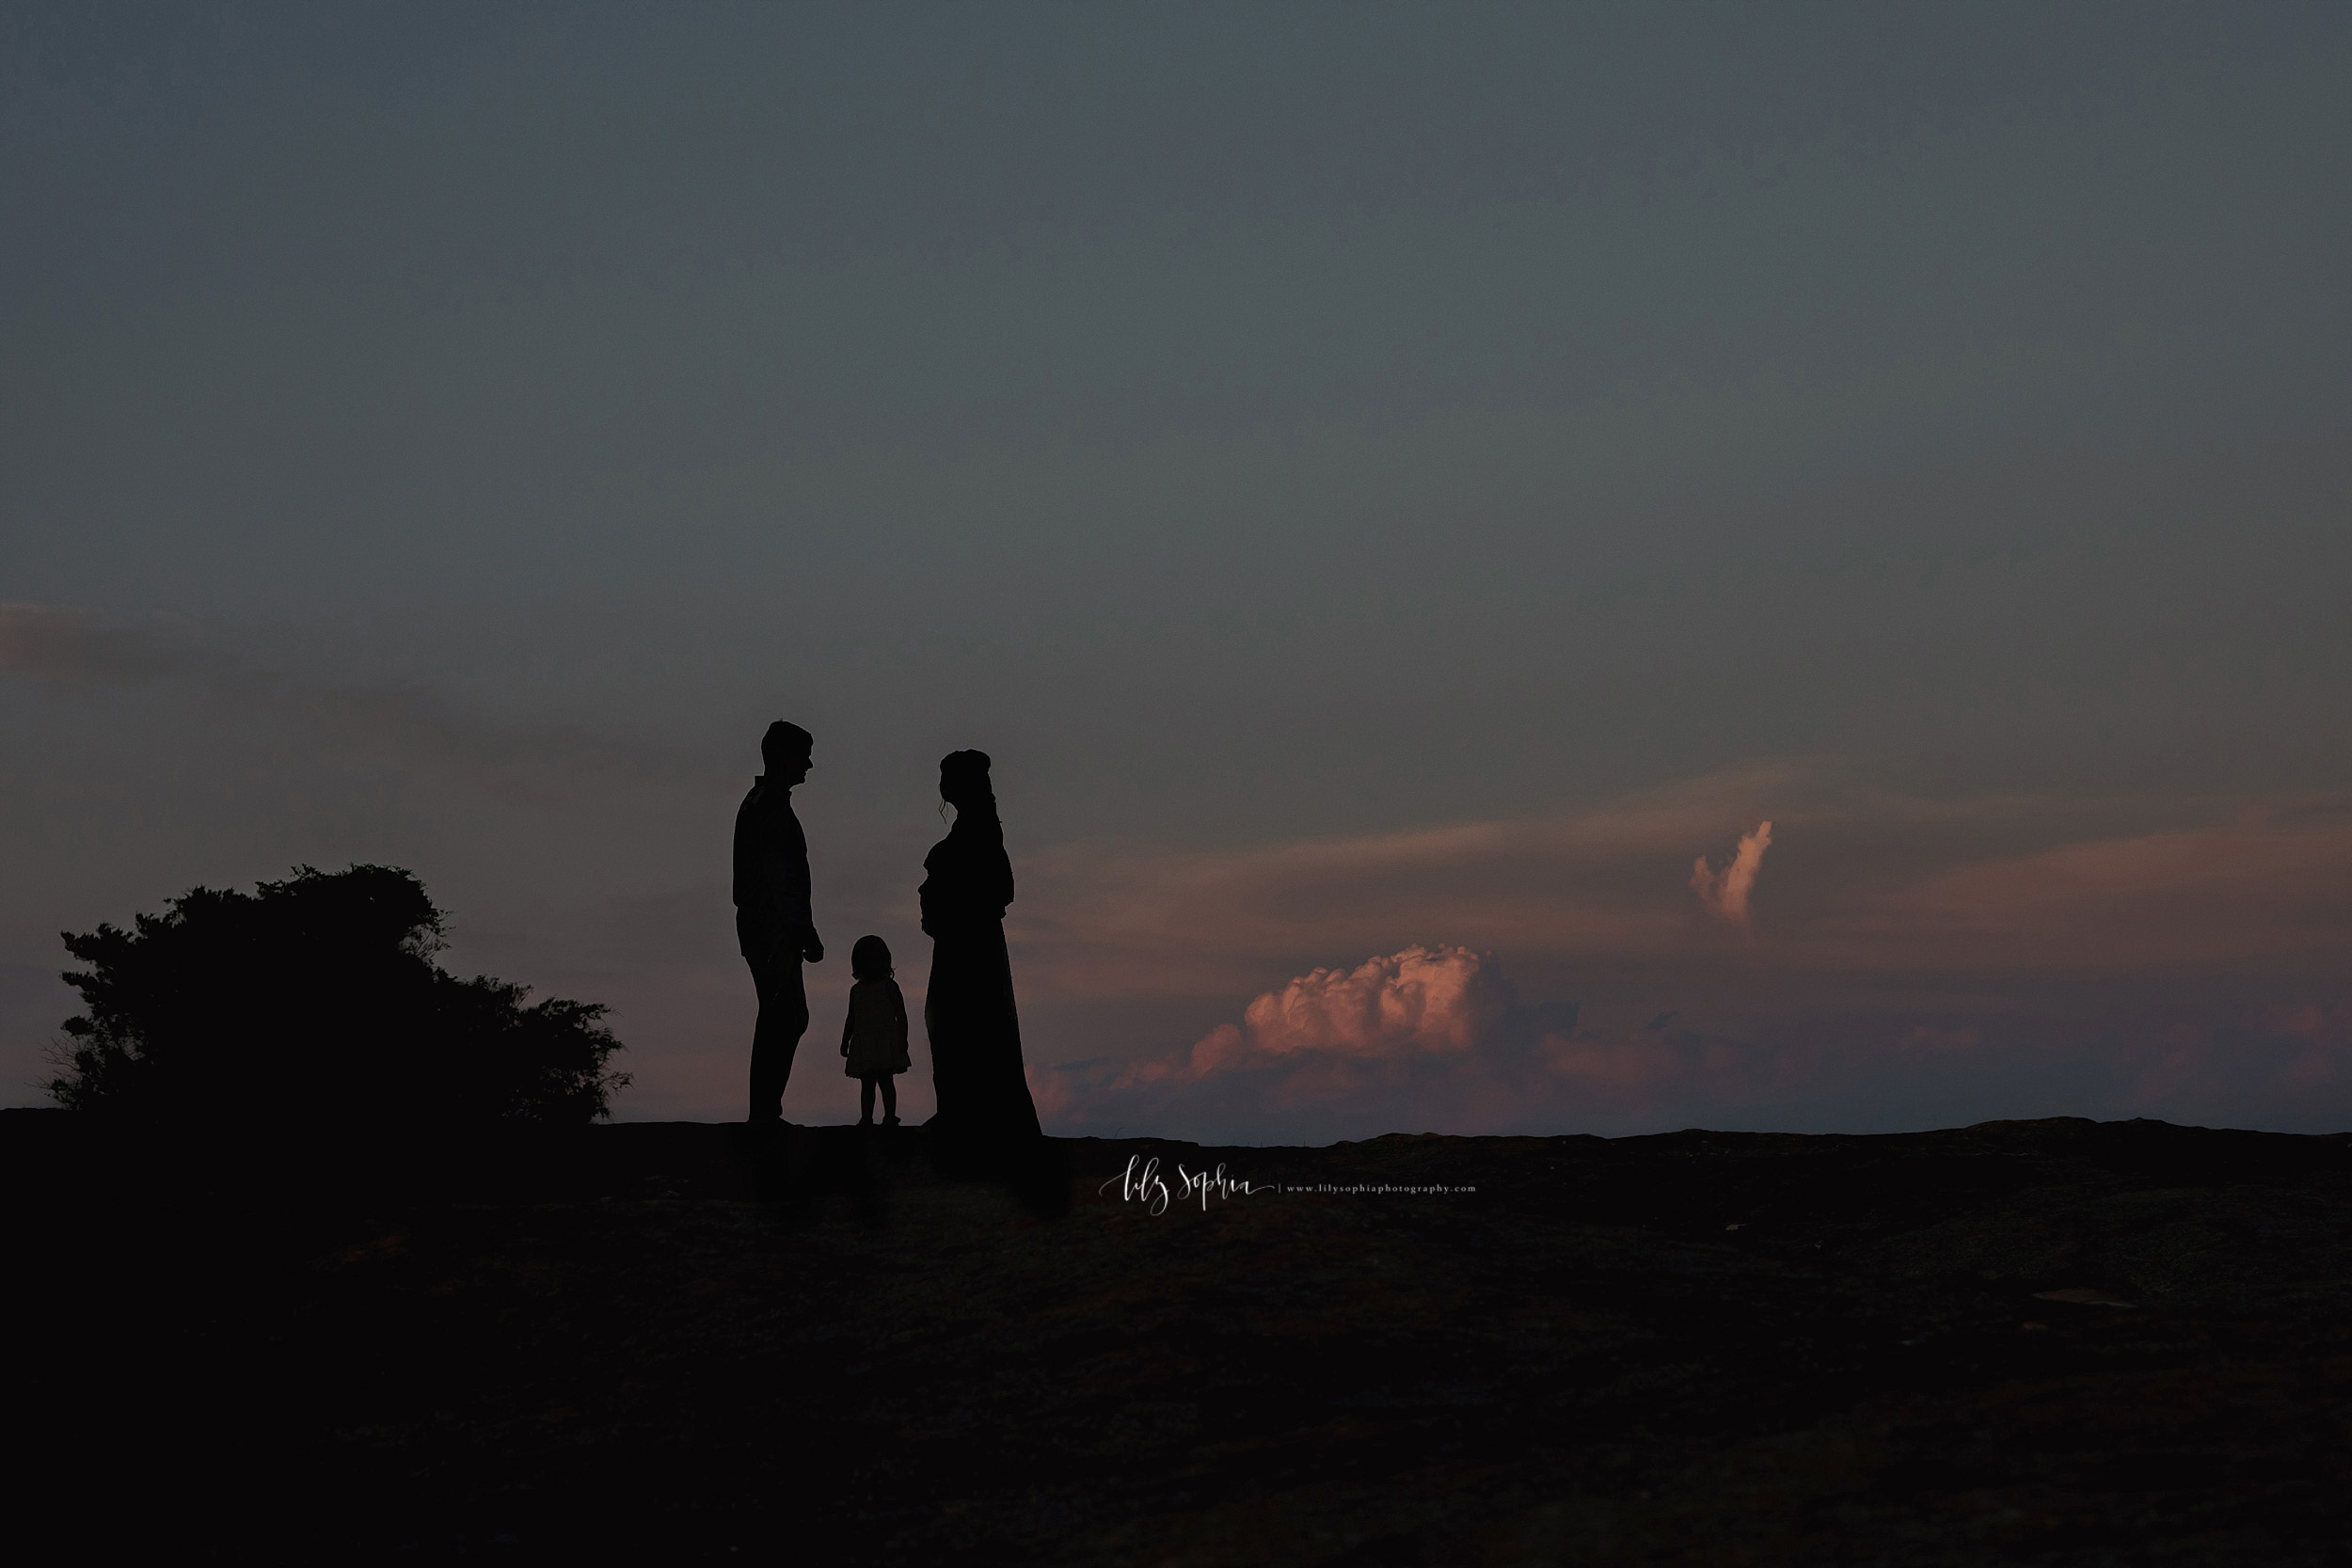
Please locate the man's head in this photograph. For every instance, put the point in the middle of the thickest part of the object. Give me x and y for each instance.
(785, 749)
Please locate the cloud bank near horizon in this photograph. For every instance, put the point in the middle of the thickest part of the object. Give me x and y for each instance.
(1923, 962)
(1436, 1039)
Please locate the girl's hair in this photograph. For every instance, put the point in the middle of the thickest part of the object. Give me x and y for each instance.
(870, 959)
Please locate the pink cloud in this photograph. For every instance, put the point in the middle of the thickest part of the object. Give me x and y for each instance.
(1724, 893)
(1434, 1015)
(1424, 999)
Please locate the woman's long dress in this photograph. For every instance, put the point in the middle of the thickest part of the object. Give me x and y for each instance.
(984, 1104)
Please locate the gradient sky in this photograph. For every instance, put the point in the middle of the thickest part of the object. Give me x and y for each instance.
(1391, 487)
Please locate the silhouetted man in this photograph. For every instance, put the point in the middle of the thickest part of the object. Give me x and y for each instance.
(772, 920)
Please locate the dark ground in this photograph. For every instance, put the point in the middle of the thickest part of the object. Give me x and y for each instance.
(1703, 1348)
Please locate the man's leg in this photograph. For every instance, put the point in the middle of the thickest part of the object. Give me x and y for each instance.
(783, 1019)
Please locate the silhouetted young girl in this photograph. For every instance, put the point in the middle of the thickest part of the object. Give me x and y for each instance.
(874, 1036)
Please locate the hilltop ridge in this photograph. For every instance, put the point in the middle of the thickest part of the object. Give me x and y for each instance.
(2057, 1339)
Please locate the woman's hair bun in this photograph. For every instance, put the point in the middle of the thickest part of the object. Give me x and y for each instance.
(963, 764)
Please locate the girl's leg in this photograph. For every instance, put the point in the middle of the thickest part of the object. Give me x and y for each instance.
(864, 1101)
(890, 1098)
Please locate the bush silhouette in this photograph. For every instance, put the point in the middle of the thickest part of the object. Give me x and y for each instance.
(318, 997)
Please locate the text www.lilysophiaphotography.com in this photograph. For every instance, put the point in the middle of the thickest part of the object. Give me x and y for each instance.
(1142, 1183)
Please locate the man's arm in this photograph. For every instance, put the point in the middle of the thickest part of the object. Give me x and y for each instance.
(794, 885)
(745, 887)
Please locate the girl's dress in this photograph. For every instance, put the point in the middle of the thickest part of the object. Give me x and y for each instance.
(984, 1101)
(877, 1030)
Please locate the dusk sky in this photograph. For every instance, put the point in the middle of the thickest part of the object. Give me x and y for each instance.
(1394, 489)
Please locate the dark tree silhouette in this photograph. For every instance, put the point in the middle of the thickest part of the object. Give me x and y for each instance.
(318, 997)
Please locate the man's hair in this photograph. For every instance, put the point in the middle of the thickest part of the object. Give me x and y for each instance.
(784, 742)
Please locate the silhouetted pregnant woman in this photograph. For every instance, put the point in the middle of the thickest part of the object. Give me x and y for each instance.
(986, 1118)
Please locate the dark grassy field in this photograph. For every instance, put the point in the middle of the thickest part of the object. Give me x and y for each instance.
(2055, 1342)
